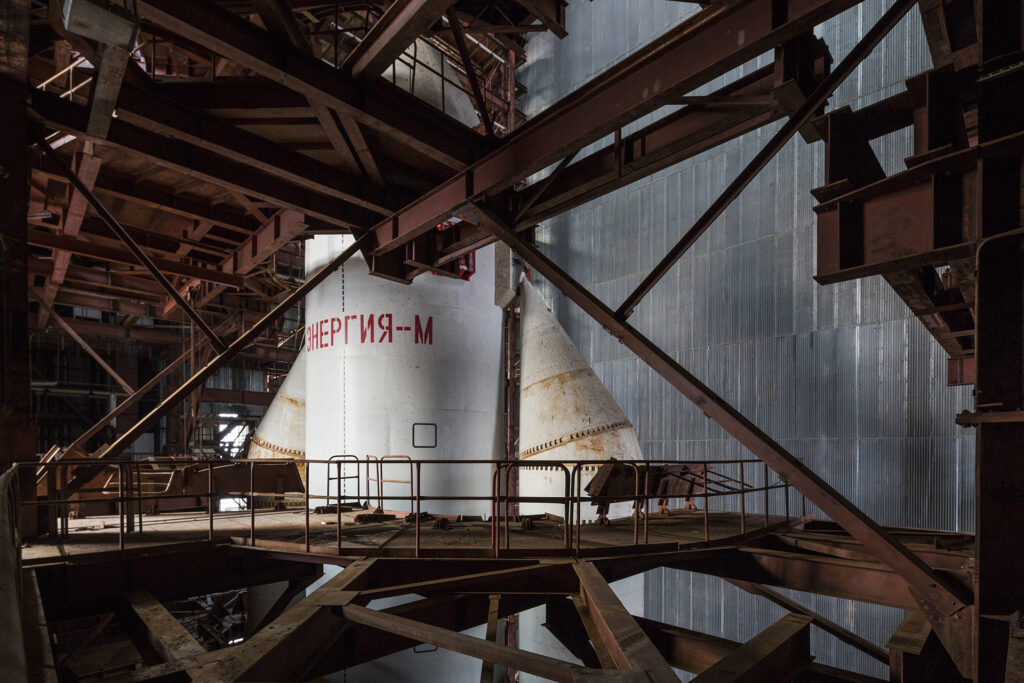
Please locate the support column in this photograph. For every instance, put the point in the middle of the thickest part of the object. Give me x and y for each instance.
(999, 344)
(16, 422)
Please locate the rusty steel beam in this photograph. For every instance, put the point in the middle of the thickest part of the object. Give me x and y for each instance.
(667, 141)
(106, 85)
(88, 168)
(132, 245)
(685, 649)
(201, 163)
(520, 660)
(686, 57)
(176, 120)
(386, 109)
(944, 597)
(279, 229)
(627, 643)
(467, 63)
(162, 198)
(800, 117)
(345, 136)
(391, 35)
(827, 625)
(775, 654)
(101, 252)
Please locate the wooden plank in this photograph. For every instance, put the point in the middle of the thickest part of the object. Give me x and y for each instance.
(158, 627)
(491, 634)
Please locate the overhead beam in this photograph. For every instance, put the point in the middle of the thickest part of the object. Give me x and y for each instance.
(106, 84)
(628, 644)
(156, 628)
(143, 193)
(133, 247)
(667, 141)
(87, 167)
(345, 136)
(388, 110)
(686, 57)
(277, 231)
(251, 398)
(43, 238)
(551, 14)
(200, 163)
(392, 34)
(566, 625)
(467, 64)
(177, 121)
(775, 654)
(943, 597)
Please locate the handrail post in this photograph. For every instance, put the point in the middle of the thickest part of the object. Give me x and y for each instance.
(209, 497)
(647, 500)
(636, 503)
(252, 503)
(419, 492)
(138, 483)
(305, 499)
(766, 495)
(707, 532)
(338, 507)
(579, 512)
(743, 500)
(567, 519)
(120, 508)
(785, 492)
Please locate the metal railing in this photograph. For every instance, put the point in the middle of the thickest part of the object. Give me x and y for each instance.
(715, 479)
(12, 646)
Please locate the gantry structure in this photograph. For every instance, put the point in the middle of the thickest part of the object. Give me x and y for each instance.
(162, 158)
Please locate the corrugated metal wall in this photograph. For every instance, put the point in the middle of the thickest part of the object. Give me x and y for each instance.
(841, 375)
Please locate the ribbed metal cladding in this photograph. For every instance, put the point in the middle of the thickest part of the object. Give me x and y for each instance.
(842, 376)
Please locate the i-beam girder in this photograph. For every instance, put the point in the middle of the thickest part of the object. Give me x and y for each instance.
(333, 629)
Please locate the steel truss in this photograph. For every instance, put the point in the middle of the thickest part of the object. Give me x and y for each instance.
(967, 159)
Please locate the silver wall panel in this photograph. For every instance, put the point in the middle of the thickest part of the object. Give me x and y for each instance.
(843, 376)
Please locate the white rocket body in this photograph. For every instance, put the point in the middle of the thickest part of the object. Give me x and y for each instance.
(409, 370)
(566, 415)
(281, 432)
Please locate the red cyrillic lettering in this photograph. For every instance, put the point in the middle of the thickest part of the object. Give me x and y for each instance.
(366, 325)
(424, 333)
(386, 331)
(334, 328)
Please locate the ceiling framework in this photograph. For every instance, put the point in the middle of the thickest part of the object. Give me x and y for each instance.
(242, 126)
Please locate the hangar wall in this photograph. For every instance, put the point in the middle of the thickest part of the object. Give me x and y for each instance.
(841, 375)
